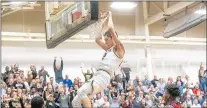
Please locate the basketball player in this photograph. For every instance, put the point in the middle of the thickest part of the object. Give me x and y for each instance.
(110, 63)
(171, 97)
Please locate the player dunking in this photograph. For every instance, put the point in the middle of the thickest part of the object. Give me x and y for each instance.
(110, 63)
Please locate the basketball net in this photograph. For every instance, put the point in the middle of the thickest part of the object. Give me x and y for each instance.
(102, 25)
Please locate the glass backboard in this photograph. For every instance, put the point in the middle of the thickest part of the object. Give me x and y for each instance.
(68, 18)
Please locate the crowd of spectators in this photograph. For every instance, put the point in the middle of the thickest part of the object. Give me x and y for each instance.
(18, 90)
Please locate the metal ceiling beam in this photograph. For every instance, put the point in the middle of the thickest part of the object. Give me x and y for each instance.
(145, 13)
(123, 41)
(15, 8)
(170, 10)
(8, 13)
(145, 10)
(165, 5)
(154, 3)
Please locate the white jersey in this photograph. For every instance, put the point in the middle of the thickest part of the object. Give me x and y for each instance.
(110, 62)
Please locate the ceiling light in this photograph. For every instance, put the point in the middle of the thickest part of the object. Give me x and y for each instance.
(85, 36)
(33, 3)
(12, 3)
(123, 5)
(17, 3)
(203, 12)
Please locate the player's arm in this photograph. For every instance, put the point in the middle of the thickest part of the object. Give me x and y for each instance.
(82, 66)
(61, 68)
(82, 71)
(92, 71)
(47, 74)
(100, 42)
(119, 46)
(98, 34)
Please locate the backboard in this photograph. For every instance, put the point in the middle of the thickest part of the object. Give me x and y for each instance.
(65, 19)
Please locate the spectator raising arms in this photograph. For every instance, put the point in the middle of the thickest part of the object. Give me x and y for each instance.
(58, 69)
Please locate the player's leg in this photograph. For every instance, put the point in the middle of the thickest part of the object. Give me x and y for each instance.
(82, 95)
(94, 86)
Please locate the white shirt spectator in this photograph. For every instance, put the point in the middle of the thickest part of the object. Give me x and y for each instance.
(189, 91)
(189, 82)
(149, 102)
(187, 103)
(196, 106)
(98, 103)
(162, 88)
(27, 86)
